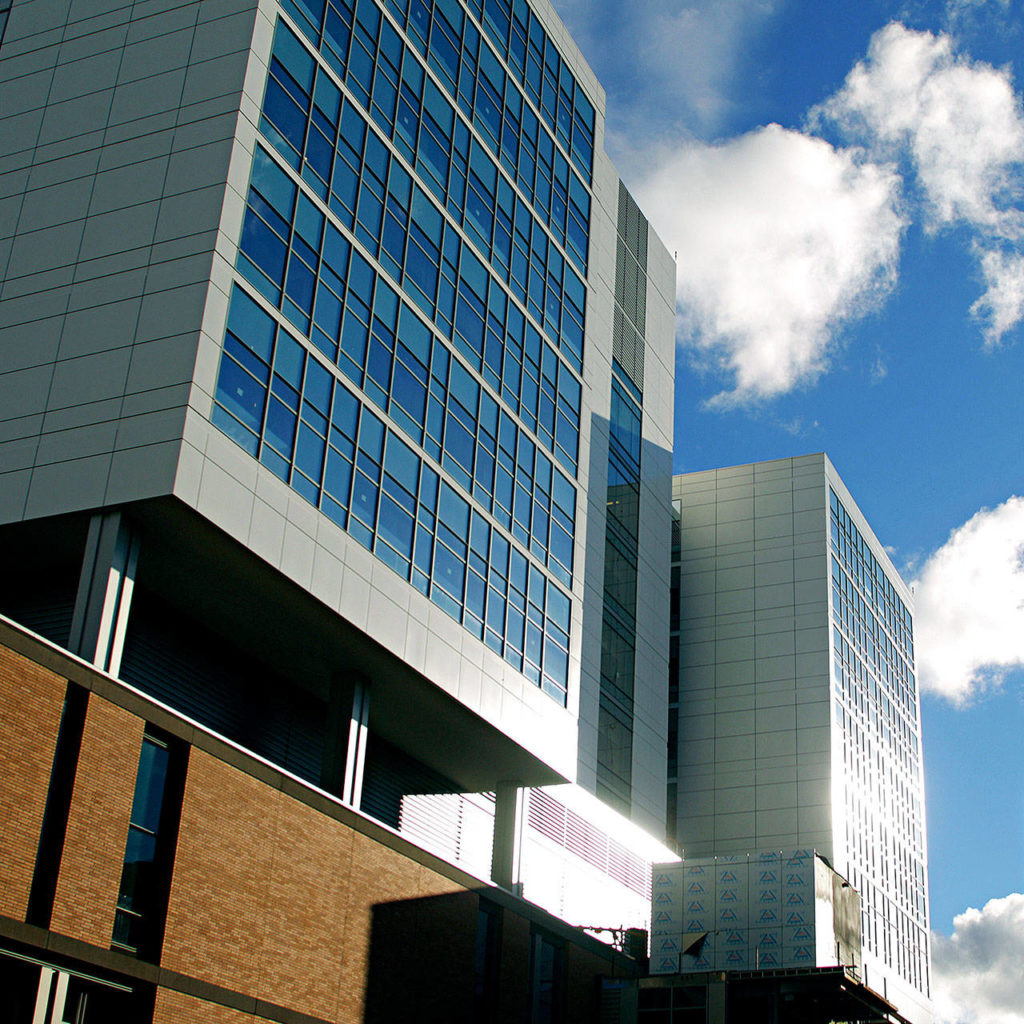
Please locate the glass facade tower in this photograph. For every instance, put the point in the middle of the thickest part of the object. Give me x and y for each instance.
(419, 318)
(877, 714)
(797, 718)
(330, 318)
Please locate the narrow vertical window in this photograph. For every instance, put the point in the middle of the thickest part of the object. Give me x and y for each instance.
(149, 850)
(485, 966)
(547, 979)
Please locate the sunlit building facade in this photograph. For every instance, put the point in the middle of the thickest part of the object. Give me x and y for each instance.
(335, 421)
(795, 707)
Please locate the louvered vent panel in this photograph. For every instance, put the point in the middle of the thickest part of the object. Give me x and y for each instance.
(628, 349)
(566, 828)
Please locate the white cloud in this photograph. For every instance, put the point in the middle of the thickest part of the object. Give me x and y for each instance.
(969, 619)
(694, 49)
(671, 68)
(977, 970)
(1002, 305)
(960, 121)
(979, 15)
(780, 238)
(879, 368)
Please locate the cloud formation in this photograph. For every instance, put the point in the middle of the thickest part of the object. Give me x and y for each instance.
(670, 67)
(969, 605)
(779, 239)
(959, 120)
(976, 971)
(979, 16)
(1001, 308)
(783, 239)
(959, 126)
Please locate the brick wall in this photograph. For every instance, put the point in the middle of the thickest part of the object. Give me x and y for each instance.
(178, 1008)
(32, 699)
(307, 891)
(514, 970)
(379, 876)
(582, 998)
(101, 802)
(215, 917)
(273, 899)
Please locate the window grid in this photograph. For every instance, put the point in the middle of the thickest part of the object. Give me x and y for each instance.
(285, 408)
(388, 81)
(332, 294)
(448, 39)
(275, 399)
(876, 712)
(372, 195)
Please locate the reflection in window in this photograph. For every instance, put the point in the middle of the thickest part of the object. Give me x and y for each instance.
(286, 409)
(152, 828)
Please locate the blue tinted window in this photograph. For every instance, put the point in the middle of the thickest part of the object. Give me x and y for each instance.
(251, 325)
(402, 463)
(393, 355)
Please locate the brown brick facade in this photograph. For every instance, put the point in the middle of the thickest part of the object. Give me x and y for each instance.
(178, 1008)
(225, 845)
(282, 906)
(276, 900)
(306, 899)
(90, 872)
(31, 698)
(514, 972)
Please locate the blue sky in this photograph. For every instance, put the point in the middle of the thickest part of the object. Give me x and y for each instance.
(843, 184)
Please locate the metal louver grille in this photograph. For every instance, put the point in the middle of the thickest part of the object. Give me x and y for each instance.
(176, 662)
(569, 830)
(456, 826)
(628, 349)
(632, 226)
(630, 322)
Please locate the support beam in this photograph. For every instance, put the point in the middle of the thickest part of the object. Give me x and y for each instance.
(718, 1002)
(43, 995)
(509, 821)
(105, 585)
(345, 747)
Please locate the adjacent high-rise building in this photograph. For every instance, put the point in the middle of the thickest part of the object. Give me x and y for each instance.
(335, 422)
(796, 728)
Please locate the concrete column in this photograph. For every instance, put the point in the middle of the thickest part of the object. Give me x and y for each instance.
(104, 597)
(345, 745)
(509, 821)
(718, 1002)
(47, 1011)
(43, 995)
